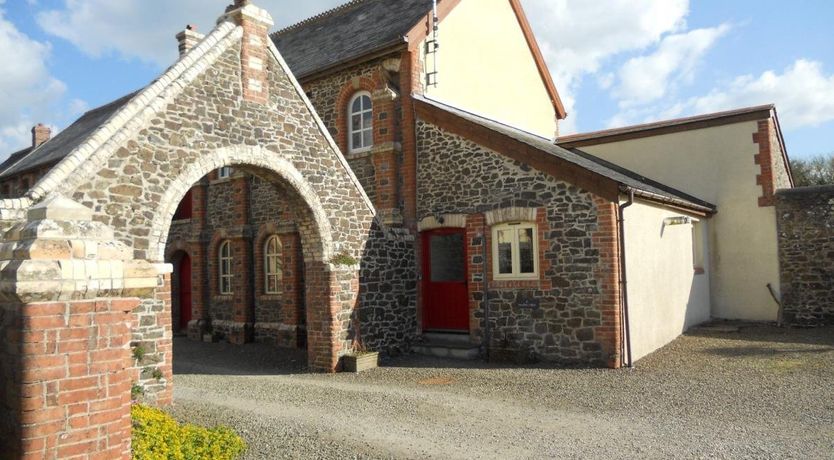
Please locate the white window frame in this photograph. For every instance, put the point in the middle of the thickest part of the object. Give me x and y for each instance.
(270, 270)
(225, 172)
(350, 128)
(516, 253)
(224, 271)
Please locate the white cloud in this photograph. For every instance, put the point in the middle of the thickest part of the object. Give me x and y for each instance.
(578, 37)
(647, 78)
(29, 93)
(145, 29)
(803, 94)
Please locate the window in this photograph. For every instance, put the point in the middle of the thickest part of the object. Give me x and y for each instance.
(360, 122)
(224, 173)
(515, 251)
(273, 265)
(226, 268)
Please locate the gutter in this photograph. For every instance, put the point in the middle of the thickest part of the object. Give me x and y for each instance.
(686, 205)
(626, 328)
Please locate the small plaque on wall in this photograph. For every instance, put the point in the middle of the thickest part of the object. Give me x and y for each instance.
(529, 303)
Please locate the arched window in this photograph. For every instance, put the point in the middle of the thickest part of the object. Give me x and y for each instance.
(360, 122)
(515, 250)
(225, 172)
(273, 265)
(225, 268)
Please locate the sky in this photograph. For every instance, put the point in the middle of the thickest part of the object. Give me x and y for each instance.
(615, 62)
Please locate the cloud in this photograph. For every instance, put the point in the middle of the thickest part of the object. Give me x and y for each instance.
(145, 29)
(578, 37)
(29, 92)
(803, 94)
(647, 78)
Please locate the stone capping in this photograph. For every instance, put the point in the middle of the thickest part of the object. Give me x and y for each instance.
(322, 128)
(449, 221)
(85, 159)
(240, 155)
(69, 258)
(249, 10)
(514, 214)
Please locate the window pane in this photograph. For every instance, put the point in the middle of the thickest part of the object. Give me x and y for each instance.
(447, 258)
(357, 105)
(367, 138)
(505, 252)
(366, 120)
(366, 103)
(356, 122)
(525, 250)
(357, 140)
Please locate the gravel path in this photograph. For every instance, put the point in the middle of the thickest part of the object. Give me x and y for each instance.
(760, 393)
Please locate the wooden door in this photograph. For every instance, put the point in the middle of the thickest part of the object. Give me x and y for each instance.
(445, 292)
(185, 291)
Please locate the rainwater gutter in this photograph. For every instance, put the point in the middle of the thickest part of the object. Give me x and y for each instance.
(626, 328)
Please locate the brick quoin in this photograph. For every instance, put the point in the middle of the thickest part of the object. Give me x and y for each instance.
(764, 138)
(606, 239)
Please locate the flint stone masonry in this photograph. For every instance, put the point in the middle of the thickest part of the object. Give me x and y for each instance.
(805, 218)
(457, 176)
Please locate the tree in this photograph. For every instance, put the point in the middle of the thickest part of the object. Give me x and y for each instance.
(818, 170)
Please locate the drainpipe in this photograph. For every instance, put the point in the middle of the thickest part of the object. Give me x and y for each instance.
(487, 326)
(624, 279)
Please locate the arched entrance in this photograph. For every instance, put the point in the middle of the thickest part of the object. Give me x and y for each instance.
(182, 293)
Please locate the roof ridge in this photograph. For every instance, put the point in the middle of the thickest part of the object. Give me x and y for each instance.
(323, 15)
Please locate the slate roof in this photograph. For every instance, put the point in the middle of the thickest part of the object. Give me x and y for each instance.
(628, 180)
(348, 32)
(66, 141)
(672, 125)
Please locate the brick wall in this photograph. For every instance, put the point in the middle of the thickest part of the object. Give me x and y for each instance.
(805, 219)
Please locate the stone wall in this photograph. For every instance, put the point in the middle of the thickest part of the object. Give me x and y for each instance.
(806, 254)
(575, 290)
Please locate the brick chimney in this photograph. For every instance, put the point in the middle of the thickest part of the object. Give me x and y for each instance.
(40, 134)
(254, 54)
(188, 39)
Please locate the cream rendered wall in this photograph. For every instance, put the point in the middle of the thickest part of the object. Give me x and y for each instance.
(486, 67)
(665, 295)
(716, 164)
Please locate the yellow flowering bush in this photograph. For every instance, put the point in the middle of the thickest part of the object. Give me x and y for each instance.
(157, 436)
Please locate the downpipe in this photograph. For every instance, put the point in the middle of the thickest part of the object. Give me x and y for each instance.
(626, 327)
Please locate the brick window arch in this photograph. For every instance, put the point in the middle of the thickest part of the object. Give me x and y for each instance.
(225, 275)
(360, 120)
(273, 265)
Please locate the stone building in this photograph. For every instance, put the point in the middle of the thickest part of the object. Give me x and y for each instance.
(352, 180)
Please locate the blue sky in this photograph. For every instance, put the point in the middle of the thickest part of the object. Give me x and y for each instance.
(616, 62)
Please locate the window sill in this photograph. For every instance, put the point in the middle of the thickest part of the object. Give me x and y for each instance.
(515, 283)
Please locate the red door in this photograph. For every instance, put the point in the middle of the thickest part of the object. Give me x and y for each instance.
(445, 293)
(185, 291)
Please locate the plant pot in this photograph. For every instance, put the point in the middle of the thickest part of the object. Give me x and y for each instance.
(361, 362)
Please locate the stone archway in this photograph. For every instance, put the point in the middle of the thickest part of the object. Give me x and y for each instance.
(81, 278)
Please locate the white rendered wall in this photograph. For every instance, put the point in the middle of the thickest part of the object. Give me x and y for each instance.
(665, 294)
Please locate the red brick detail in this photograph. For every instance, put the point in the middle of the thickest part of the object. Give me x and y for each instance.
(764, 138)
(606, 239)
(385, 174)
(291, 288)
(323, 344)
(72, 387)
(254, 60)
(411, 73)
(240, 299)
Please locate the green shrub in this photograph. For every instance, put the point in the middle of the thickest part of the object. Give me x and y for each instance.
(157, 436)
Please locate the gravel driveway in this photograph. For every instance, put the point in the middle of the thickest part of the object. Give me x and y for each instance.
(759, 393)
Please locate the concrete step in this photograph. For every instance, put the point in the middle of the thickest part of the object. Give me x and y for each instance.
(455, 346)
